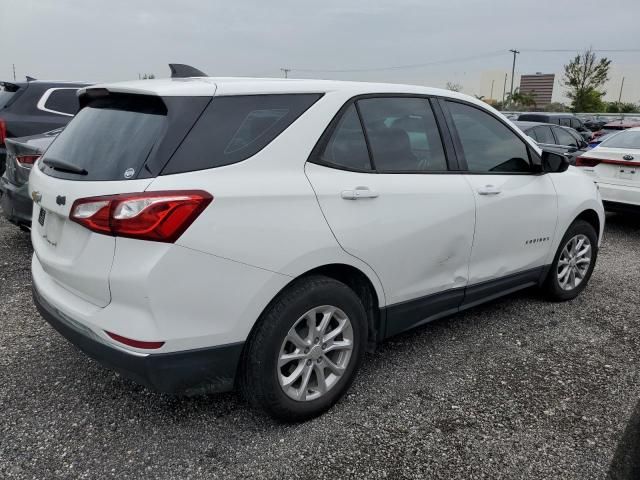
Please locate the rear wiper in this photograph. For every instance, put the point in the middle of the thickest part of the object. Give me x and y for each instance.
(64, 166)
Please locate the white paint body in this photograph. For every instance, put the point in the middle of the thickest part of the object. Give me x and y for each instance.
(274, 217)
(617, 183)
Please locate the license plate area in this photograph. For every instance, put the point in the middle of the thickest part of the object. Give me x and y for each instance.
(626, 173)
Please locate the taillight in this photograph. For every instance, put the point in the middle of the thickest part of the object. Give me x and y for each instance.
(592, 162)
(586, 162)
(156, 216)
(3, 131)
(27, 161)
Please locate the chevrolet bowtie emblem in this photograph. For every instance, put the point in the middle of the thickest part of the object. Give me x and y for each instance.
(36, 196)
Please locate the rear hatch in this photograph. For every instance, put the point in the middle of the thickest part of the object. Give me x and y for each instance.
(110, 147)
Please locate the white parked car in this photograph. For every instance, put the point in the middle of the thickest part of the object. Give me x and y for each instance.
(615, 165)
(205, 233)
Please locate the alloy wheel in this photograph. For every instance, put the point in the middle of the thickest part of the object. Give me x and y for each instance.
(574, 262)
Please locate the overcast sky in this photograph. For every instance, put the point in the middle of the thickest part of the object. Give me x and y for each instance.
(466, 42)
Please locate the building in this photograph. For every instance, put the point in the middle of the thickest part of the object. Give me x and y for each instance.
(540, 86)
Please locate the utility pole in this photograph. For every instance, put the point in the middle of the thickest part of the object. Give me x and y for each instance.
(14, 72)
(504, 89)
(491, 95)
(513, 71)
(619, 96)
(286, 72)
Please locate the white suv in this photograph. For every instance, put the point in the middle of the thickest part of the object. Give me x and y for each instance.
(197, 234)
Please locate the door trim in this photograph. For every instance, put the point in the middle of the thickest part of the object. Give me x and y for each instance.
(404, 316)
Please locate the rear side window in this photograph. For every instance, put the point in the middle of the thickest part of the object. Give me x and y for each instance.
(347, 147)
(403, 134)
(489, 146)
(235, 128)
(544, 135)
(110, 138)
(62, 100)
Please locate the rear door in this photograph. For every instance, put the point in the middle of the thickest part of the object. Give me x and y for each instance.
(390, 199)
(516, 208)
(103, 151)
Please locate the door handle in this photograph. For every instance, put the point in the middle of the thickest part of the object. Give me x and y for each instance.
(358, 192)
(489, 190)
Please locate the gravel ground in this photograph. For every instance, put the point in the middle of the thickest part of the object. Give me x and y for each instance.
(518, 388)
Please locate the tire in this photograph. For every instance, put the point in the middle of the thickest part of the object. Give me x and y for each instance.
(553, 285)
(263, 379)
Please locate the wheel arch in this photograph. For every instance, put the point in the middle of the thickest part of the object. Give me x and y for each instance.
(591, 217)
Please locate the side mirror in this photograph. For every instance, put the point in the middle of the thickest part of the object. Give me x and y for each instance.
(572, 150)
(554, 162)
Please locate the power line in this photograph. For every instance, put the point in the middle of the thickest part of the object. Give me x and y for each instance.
(401, 67)
(452, 60)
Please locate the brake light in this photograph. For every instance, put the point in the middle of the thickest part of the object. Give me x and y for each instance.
(27, 161)
(3, 131)
(155, 216)
(586, 162)
(134, 343)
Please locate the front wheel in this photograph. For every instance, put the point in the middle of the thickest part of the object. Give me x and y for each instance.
(574, 262)
(305, 350)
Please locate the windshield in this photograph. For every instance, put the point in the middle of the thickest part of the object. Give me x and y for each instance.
(628, 139)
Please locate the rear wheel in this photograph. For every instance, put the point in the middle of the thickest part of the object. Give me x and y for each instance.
(574, 262)
(306, 349)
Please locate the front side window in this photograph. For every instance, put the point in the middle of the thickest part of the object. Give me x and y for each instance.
(544, 135)
(347, 146)
(565, 122)
(564, 138)
(488, 144)
(403, 134)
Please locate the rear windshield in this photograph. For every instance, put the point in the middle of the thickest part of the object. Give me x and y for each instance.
(235, 128)
(5, 96)
(533, 118)
(110, 139)
(628, 139)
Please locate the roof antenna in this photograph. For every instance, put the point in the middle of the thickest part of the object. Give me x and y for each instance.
(180, 70)
(30, 79)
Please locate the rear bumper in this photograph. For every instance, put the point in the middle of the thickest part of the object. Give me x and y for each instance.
(191, 372)
(15, 202)
(619, 194)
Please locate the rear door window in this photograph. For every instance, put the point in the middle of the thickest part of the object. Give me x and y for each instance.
(403, 134)
(564, 138)
(347, 147)
(110, 139)
(62, 100)
(544, 135)
(235, 128)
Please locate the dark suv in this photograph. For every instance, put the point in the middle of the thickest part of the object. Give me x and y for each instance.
(31, 107)
(562, 119)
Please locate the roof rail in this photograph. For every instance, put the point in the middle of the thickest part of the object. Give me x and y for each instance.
(180, 70)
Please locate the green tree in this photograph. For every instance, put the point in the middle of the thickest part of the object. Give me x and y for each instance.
(521, 100)
(584, 78)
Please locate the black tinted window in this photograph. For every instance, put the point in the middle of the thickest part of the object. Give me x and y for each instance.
(111, 138)
(565, 122)
(347, 146)
(544, 135)
(63, 100)
(489, 146)
(564, 138)
(235, 128)
(403, 134)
